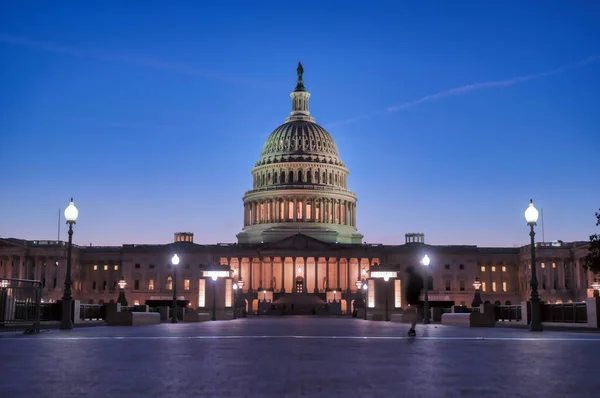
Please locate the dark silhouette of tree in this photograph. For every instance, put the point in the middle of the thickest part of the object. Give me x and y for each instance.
(592, 260)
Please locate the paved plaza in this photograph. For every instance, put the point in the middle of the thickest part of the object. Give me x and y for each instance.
(299, 356)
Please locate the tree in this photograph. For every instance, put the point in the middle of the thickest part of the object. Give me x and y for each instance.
(592, 260)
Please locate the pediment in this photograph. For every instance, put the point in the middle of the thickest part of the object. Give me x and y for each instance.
(299, 242)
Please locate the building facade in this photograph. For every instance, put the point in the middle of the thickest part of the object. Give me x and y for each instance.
(299, 241)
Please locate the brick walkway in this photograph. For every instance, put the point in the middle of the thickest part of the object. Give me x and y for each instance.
(297, 356)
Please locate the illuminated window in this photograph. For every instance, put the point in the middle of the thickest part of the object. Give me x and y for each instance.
(169, 283)
(186, 284)
(543, 265)
(95, 268)
(503, 268)
(483, 286)
(529, 266)
(151, 284)
(504, 286)
(493, 268)
(202, 293)
(397, 293)
(136, 302)
(493, 286)
(116, 267)
(553, 265)
(106, 268)
(228, 292)
(483, 268)
(371, 294)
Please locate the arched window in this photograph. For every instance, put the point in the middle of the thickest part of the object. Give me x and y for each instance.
(300, 175)
(263, 180)
(336, 179)
(269, 178)
(169, 283)
(331, 178)
(309, 176)
(290, 176)
(282, 177)
(275, 177)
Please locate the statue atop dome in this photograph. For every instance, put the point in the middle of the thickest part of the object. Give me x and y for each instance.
(300, 72)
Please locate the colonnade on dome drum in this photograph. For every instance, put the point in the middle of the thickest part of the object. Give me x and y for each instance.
(300, 209)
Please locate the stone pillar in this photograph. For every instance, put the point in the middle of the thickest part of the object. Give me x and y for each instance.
(349, 286)
(333, 210)
(295, 213)
(322, 207)
(337, 260)
(305, 268)
(313, 208)
(260, 279)
(240, 275)
(294, 275)
(327, 274)
(286, 209)
(316, 274)
(282, 274)
(251, 261)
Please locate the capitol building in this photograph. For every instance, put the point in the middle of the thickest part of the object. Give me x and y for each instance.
(299, 244)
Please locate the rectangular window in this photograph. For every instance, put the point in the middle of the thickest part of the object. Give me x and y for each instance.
(95, 268)
(371, 294)
(543, 265)
(462, 286)
(228, 293)
(503, 268)
(483, 287)
(447, 266)
(202, 293)
(186, 284)
(94, 285)
(137, 266)
(493, 286)
(448, 285)
(114, 285)
(106, 268)
(483, 268)
(151, 284)
(136, 284)
(504, 287)
(151, 266)
(397, 293)
(116, 267)
(187, 266)
(493, 268)
(104, 285)
(553, 265)
(461, 266)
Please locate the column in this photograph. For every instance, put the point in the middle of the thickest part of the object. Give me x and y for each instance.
(316, 274)
(294, 274)
(349, 286)
(260, 279)
(282, 274)
(327, 271)
(251, 261)
(240, 274)
(333, 210)
(305, 268)
(313, 208)
(271, 284)
(339, 286)
(304, 208)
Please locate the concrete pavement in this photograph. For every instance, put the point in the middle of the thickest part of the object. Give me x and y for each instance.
(299, 356)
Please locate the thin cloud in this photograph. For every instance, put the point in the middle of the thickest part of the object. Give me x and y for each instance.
(145, 62)
(461, 90)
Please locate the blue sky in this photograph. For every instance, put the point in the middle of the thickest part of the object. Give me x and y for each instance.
(449, 115)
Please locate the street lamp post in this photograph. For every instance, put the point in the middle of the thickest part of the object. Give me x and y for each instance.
(334, 292)
(174, 261)
(386, 279)
(122, 300)
(214, 300)
(71, 214)
(234, 299)
(596, 287)
(531, 215)
(426, 319)
(477, 299)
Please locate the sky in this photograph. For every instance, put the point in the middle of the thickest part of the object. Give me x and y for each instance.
(450, 116)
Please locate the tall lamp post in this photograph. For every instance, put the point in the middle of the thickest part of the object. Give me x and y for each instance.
(174, 261)
(234, 299)
(426, 319)
(531, 215)
(122, 300)
(477, 299)
(596, 287)
(71, 214)
(214, 300)
(240, 286)
(359, 284)
(365, 287)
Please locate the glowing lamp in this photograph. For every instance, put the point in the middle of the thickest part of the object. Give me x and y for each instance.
(122, 283)
(531, 214)
(477, 284)
(175, 259)
(426, 260)
(71, 212)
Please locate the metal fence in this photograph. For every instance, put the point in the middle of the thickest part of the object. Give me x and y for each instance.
(565, 313)
(20, 301)
(508, 313)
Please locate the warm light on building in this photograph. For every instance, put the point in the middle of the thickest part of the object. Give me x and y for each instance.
(202, 293)
(186, 284)
(397, 293)
(151, 284)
